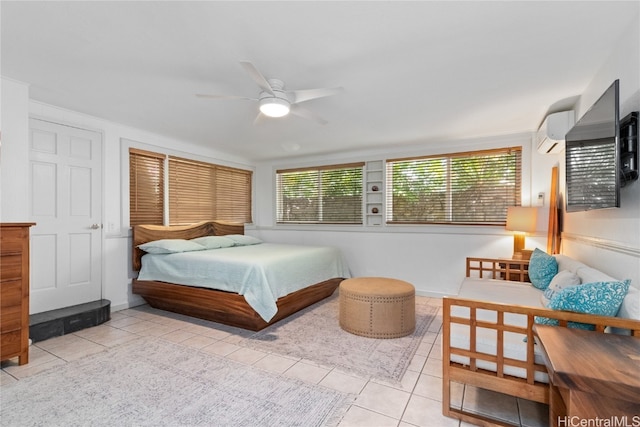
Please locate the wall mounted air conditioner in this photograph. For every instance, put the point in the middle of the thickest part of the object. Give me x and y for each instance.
(550, 136)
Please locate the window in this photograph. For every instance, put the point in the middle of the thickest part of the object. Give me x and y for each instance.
(461, 188)
(198, 191)
(320, 195)
(146, 187)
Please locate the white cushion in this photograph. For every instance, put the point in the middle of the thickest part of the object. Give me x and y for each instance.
(562, 280)
(630, 308)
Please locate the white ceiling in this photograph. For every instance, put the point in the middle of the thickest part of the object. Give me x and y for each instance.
(412, 71)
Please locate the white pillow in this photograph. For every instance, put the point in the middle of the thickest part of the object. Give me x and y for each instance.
(563, 280)
(243, 240)
(214, 242)
(630, 308)
(170, 246)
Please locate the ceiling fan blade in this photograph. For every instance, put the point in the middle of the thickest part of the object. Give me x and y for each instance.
(203, 95)
(307, 114)
(308, 94)
(257, 76)
(260, 118)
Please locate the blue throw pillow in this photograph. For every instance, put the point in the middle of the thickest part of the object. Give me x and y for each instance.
(542, 269)
(600, 298)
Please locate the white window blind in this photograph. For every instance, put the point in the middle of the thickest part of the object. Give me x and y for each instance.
(460, 188)
(320, 195)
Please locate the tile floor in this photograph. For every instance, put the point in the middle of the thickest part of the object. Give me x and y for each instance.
(414, 402)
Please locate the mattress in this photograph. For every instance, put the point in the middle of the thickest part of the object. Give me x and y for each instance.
(261, 273)
(515, 347)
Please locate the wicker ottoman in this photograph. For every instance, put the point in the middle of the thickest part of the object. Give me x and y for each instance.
(377, 307)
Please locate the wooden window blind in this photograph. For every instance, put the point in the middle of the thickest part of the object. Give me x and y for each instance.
(460, 188)
(201, 191)
(146, 187)
(233, 191)
(320, 195)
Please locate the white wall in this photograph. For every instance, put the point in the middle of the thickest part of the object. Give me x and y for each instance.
(117, 138)
(430, 257)
(609, 239)
(14, 151)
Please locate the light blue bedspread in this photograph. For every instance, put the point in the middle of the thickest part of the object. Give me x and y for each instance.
(261, 273)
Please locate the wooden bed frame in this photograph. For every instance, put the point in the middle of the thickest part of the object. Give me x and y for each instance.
(219, 306)
(526, 388)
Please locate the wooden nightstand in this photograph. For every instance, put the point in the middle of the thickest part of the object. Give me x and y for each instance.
(498, 268)
(591, 375)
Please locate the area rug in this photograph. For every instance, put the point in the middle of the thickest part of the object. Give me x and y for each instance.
(315, 334)
(157, 383)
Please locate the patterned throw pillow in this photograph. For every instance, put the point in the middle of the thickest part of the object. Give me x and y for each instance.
(601, 298)
(542, 269)
(560, 281)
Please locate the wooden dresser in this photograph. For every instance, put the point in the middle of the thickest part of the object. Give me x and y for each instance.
(14, 291)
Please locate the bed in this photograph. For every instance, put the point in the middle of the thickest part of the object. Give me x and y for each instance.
(221, 304)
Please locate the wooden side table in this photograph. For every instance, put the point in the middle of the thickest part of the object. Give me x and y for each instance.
(592, 375)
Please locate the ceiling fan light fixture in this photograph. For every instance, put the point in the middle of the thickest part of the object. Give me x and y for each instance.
(274, 107)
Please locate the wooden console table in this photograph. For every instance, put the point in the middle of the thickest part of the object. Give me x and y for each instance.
(592, 375)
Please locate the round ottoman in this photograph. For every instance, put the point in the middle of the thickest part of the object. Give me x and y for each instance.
(377, 307)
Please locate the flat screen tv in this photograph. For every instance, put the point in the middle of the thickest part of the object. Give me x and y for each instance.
(592, 156)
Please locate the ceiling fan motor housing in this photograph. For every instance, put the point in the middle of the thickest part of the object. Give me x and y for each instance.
(277, 103)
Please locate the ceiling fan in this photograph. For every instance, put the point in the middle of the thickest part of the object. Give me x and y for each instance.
(275, 101)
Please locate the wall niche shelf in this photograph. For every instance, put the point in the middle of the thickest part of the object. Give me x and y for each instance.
(374, 197)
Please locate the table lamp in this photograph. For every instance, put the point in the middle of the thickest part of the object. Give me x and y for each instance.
(521, 220)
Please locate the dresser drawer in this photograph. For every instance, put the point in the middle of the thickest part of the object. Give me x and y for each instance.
(11, 267)
(10, 344)
(10, 305)
(12, 240)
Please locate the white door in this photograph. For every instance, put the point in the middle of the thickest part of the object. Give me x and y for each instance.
(65, 202)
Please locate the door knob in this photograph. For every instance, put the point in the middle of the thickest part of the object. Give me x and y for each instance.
(95, 227)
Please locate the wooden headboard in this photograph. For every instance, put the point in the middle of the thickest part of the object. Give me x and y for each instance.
(148, 233)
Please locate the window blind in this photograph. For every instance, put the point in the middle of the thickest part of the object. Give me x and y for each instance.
(200, 191)
(459, 188)
(320, 195)
(146, 187)
(592, 178)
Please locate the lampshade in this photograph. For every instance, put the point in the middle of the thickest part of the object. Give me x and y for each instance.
(274, 107)
(523, 219)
